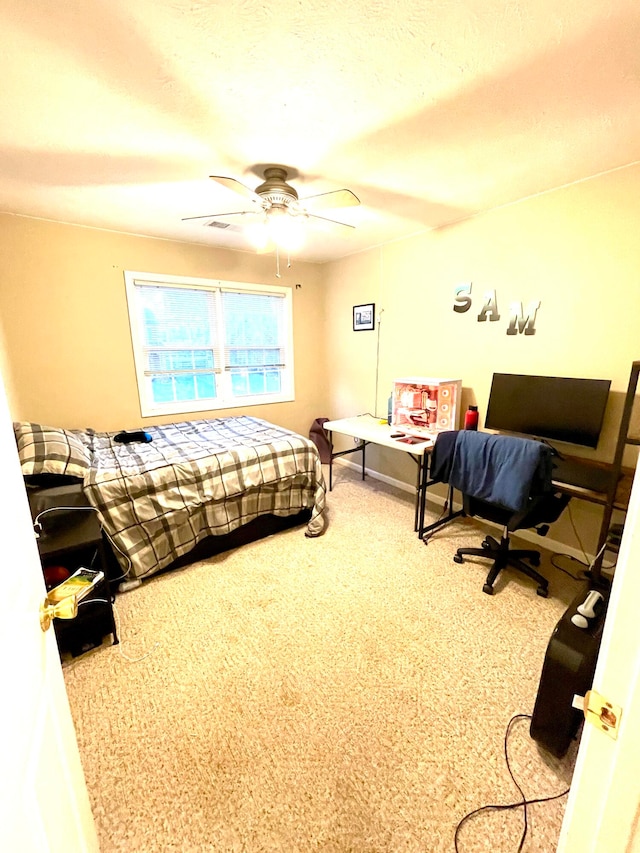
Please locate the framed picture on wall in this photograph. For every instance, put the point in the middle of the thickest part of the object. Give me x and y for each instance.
(363, 317)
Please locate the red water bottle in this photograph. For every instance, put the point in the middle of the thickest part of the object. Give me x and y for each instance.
(471, 418)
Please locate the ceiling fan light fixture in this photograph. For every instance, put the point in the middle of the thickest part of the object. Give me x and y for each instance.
(257, 233)
(286, 230)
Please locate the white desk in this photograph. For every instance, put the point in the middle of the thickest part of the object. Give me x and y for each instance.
(371, 430)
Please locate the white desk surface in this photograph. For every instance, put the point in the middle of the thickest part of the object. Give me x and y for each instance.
(372, 429)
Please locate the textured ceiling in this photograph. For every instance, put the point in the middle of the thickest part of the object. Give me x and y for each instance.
(113, 114)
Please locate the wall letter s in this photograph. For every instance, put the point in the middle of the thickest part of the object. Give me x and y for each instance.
(462, 298)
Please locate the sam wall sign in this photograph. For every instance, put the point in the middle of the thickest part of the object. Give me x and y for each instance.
(520, 321)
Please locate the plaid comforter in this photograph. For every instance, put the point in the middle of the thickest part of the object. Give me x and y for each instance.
(156, 501)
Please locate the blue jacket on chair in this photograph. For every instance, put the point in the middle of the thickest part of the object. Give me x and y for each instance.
(499, 469)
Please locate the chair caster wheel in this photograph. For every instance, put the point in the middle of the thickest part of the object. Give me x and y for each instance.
(486, 544)
(488, 589)
(535, 561)
(542, 591)
(457, 558)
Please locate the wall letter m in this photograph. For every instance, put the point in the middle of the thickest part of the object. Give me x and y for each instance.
(520, 322)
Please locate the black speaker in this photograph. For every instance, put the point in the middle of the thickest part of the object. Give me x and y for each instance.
(568, 668)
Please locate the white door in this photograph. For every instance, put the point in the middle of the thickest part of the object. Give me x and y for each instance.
(44, 806)
(603, 810)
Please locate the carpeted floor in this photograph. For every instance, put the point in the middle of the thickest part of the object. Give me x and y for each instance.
(348, 694)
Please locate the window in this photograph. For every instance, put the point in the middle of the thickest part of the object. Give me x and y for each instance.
(201, 344)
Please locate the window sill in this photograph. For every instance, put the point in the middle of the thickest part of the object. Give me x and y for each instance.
(185, 407)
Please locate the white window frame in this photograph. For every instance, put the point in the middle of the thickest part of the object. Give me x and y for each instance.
(225, 398)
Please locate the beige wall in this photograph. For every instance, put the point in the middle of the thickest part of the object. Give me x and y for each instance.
(64, 316)
(575, 249)
(6, 373)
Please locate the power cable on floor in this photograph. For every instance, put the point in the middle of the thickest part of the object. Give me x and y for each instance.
(522, 804)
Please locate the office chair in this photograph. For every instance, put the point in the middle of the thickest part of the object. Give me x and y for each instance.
(506, 480)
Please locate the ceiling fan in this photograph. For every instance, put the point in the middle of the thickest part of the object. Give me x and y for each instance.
(281, 212)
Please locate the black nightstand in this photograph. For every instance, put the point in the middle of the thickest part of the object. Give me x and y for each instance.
(78, 541)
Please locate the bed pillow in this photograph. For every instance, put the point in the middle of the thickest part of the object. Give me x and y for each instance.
(47, 450)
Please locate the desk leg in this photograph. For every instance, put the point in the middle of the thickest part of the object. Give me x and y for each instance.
(330, 460)
(423, 475)
(443, 520)
(358, 448)
(416, 513)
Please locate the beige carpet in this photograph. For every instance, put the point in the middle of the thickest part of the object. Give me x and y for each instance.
(347, 694)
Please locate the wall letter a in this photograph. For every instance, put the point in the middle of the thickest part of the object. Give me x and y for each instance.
(490, 307)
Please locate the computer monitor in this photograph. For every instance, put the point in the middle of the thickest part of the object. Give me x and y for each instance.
(551, 407)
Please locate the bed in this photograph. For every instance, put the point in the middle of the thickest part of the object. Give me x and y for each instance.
(157, 499)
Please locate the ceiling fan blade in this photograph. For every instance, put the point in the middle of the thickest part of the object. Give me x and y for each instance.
(326, 219)
(238, 187)
(326, 201)
(216, 215)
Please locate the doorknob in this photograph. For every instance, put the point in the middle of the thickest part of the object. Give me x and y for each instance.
(62, 600)
(66, 608)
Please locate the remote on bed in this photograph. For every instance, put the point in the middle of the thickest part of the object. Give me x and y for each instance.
(125, 437)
